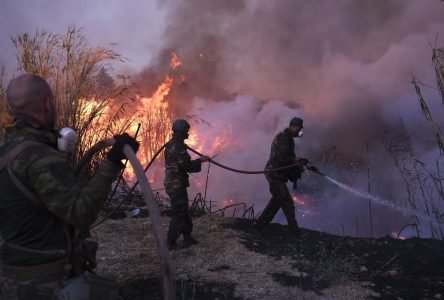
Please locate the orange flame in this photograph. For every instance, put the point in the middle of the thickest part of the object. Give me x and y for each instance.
(394, 235)
(297, 200)
(227, 202)
(154, 117)
(193, 140)
(175, 61)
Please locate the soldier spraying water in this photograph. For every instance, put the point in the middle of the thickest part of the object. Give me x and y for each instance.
(283, 154)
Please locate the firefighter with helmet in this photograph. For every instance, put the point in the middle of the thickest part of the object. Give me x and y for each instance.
(178, 164)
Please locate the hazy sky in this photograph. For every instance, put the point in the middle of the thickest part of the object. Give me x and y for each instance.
(135, 25)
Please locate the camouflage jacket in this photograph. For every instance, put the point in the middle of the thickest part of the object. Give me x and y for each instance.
(65, 200)
(282, 154)
(178, 163)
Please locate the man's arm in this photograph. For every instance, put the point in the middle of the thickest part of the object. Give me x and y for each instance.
(185, 161)
(283, 153)
(52, 180)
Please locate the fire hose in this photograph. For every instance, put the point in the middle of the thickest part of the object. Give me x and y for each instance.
(130, 191)
(101, 144)
(168, 283)
(307, 164)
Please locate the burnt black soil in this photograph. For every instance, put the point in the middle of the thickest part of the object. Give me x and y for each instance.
(407, 269)
(151, 288)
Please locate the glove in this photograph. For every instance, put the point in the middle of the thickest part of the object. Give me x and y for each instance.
(116, 153)
(312, 168)
(204, 158)
(303, 161)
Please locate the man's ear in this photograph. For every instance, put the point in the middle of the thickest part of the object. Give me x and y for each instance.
(48, 105)
(49, 111)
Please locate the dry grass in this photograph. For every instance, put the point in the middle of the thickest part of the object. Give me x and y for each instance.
(5, 117)
(424, 183)
(87, 98)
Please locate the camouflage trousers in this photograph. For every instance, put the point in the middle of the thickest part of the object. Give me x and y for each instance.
(180, 222)
(281, 198)
(33, 289)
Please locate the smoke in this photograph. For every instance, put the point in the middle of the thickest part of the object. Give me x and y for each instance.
(249, 66)
(240, 133)
(344, 66)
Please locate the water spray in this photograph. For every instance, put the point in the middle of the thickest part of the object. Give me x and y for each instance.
(404, 211)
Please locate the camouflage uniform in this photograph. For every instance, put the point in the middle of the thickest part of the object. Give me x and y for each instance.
(40, 289)
(177, 164)
(282, 154)
(66, 205)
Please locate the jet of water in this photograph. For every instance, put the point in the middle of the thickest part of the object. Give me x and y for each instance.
(405, 211)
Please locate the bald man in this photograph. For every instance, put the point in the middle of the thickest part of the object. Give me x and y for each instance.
(44, 209)
(30, 97)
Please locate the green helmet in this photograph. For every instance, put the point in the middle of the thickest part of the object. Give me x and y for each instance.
(181, 125)
(297, 122)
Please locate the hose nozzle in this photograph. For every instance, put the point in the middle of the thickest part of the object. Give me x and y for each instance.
(313, 168)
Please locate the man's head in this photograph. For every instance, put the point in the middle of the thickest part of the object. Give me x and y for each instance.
(181, 126)
(30, 96)
(296, 125)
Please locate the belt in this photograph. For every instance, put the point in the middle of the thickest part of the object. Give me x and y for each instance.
(34, 272)
(51, 252)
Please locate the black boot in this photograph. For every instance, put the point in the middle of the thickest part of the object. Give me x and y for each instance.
(172, 245)
(259, 226)
(295, 231)
(188, 241)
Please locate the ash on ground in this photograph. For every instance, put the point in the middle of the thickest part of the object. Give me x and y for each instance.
(235, 261)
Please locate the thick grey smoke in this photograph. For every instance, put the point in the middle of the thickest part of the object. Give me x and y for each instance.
(344, 66)
(241, 133)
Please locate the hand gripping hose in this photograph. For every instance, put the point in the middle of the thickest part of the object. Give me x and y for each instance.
(159, 234)
(128, 195)
(90, 153)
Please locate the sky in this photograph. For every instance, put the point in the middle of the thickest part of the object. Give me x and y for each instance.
(345, 66)
(136, 26)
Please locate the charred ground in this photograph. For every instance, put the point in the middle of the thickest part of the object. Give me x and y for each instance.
(234, 261)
